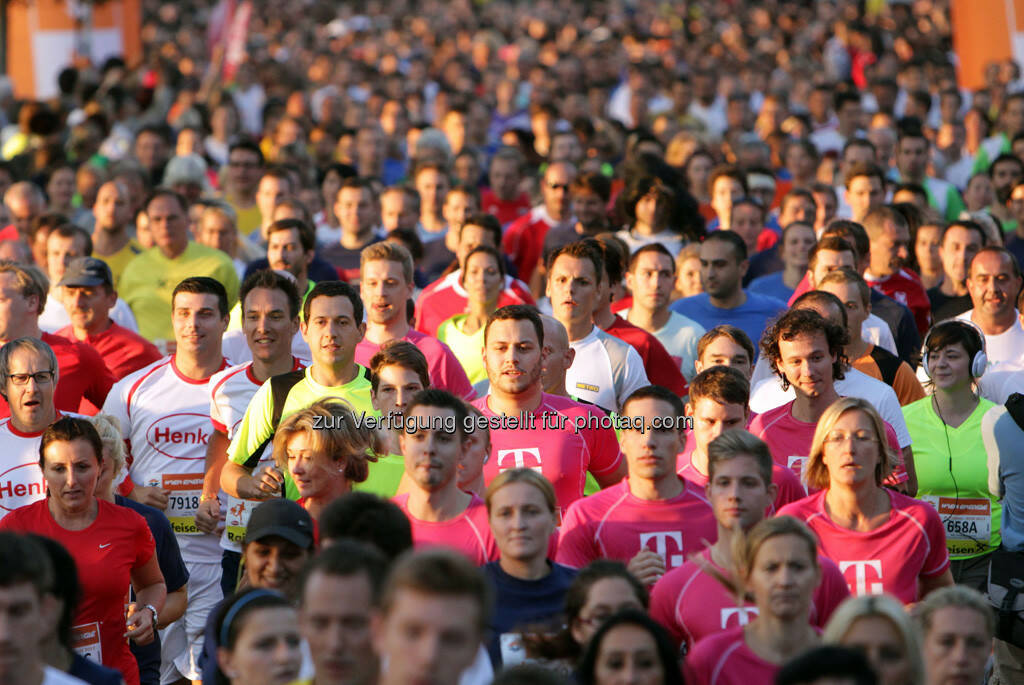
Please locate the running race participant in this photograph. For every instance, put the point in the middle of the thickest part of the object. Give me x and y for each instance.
(890, 240)
(164, 412)
(651, 277)
(690, 601)
(881, 540)
(524, 239)
(630, 642)
(81, 369)
(960, 242)
(993, 281)
(557, 436)
(956, 626)
(385, 285)
(28, 373)
(725, 345)
(270, 318)
(260, 640)
(111, 240)
(778, 553)
(607, 370)
(653, 519)
(88, 297)
(880, 627)
(432, 443)
(332, 325)
(718, 403)
(950, 455)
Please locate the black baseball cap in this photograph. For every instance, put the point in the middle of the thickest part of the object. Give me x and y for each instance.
(86, 272)
(283, 518)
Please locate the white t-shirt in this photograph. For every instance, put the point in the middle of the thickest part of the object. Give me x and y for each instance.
(165, 419)
(768, 394)
(877, 332)
(1008, 346)
(21, 482)
(606, 370)
(680, 336)
(55, 316)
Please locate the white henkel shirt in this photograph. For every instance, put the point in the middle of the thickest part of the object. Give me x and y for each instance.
(21, 479)
(230, 393)
(165, 418)
(606, 370)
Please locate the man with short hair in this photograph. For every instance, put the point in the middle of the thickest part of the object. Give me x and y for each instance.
(913, 152)
(504, 198)
(725, 345)
(89, 297)
(435, 435)
(890, 245)
(993, 281)
(591, 191)
(727, 183)
(332, 325)
(433, 611)
(960, 242)
(150, 278)
(356, 208)
(341, 587)
(652, 520)
(399, 208)
(244, 171)
(865, 189)
(689, 601)
(218, 228)
(111, 239)
(84, 379)
(747, 217)
(723, 262)
(432, 183)
(524, 239)
(558, 356)
(24, 202)
(607, 370)
(274, 187)
(163, 411)
(560, 437)
(651, 277)
(386, 286)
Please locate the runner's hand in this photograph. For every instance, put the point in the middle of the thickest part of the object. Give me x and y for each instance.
(153, 496)
(208, 516)
(647, 566)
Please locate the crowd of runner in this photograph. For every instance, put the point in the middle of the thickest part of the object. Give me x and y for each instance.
(450, 343)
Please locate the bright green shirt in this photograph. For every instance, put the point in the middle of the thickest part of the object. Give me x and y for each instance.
(150, 278)
(952, 475)
(467, 348)
(256, 426)
(385, 476)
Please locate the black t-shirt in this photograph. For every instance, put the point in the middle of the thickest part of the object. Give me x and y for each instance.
(947, 306)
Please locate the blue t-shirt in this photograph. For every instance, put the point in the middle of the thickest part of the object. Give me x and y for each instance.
(94, 673)
(752, 316)
(771, 285)
(522, 603)
(168, 556)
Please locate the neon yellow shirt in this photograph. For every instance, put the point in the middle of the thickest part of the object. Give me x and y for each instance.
(120, 259)
(467, 348)
(385, 476)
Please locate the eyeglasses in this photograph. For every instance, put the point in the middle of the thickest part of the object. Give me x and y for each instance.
(40, 377)
(858, 438)
(558, 186)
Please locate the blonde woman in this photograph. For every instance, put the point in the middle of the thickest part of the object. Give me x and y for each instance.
(879, 626)
(881, 540)
(325, 452)
(777, 564)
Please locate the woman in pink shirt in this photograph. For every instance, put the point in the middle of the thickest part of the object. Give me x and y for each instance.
(879, 626)
(881, 540)
(779, 567)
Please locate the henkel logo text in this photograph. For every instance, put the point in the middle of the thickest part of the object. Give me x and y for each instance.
(20, 485)
(180, 436)
(741, 614)
(864, 571)
(520, 458)
(662, 547)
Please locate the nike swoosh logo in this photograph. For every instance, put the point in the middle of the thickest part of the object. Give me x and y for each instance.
(105, 546)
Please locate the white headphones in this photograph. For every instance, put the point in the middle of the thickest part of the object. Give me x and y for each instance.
(980, 361)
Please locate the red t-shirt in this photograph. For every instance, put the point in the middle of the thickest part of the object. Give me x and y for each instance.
(660, 367)
(693, 605)
(105, 554)
(84, 379)
(445, 297)
(523, 241)
(563, 441)
(890, 558)
(506, 211)
(469, 532)
(725, 659)
(122, 350)
(444, 368)
(614, 524)
(905, 287)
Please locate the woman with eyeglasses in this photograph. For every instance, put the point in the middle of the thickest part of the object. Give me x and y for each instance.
(776, 566)
(879, 626)
(112, 547)
(881, 540)
(949, 450)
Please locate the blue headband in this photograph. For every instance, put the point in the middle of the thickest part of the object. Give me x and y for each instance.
(237, 607)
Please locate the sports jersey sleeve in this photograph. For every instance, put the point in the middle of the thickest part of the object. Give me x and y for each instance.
(576, 546)
(937, 560)
(145, 546)
(662, 370)
(908, 388)
(450, 375)
(663, 607)
(116, 405)
(628, 374)
(215, 415)
(789, 488)
(889, 409)
(100, 378)
(830, 593)
(256, 427)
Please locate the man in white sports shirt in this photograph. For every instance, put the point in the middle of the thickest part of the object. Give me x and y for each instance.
(607, 370)
(651, 275)
(332, 326)
(164, 410)
(28, 377)
(993, 281)
(270, 318)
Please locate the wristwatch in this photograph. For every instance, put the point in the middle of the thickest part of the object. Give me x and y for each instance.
(156, 618)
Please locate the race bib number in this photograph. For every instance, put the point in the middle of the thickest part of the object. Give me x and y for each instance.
(968, 522)
(237, 519)
(85, 641)
(183, 500)
(512, 649)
